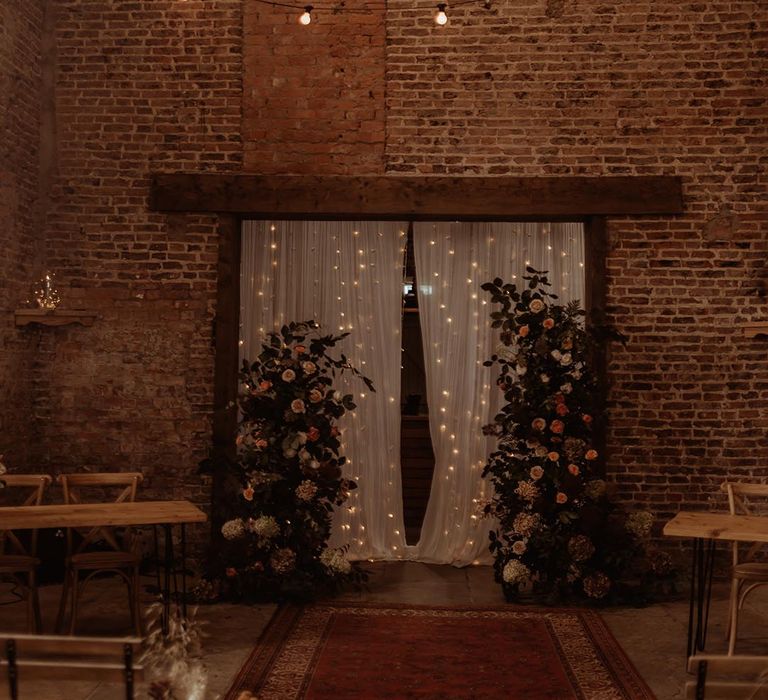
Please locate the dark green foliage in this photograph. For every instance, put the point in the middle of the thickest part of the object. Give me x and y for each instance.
(560, 533)
(290, 470)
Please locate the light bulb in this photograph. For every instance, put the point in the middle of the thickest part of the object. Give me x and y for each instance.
(441, 18)
(306, 18)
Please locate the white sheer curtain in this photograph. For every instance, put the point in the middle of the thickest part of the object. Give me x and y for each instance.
(348, 276)
(452, 261)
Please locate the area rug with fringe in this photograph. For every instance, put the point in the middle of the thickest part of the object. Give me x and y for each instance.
(368, 651)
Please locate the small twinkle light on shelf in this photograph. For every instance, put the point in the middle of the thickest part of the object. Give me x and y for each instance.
(306, 18)
(441, 18)
(46, 295)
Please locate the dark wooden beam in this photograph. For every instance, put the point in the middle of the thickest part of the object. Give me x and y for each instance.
(425, 198)
(226, 333)
(595, 285)
(595, 270)
(226, 336)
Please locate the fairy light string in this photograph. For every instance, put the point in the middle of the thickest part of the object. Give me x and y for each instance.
(306, 17)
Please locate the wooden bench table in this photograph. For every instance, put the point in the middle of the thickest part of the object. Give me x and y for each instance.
(706, 529)
(163, 513)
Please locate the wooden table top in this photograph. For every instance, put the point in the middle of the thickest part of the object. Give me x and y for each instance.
(718, 526)
(93, 514)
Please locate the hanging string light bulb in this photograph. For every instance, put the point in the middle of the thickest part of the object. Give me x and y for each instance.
(441, 18)
(306, 18)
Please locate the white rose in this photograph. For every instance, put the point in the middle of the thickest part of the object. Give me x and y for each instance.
(288, 376)
(556, 354)
(566, 359)
(536, 306)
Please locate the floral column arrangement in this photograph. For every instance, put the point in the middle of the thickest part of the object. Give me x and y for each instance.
(290, 468)
(559, 534)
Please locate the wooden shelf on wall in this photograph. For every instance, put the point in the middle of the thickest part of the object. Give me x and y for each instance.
(756, 329)
(54, 317)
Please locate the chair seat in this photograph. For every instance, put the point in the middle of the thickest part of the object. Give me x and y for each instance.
(103, 560)
(753, 570)
(17, 562)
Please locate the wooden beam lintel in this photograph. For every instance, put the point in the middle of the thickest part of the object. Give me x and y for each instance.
(425, 198)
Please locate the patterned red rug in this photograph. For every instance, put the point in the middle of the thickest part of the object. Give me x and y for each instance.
(367, 652)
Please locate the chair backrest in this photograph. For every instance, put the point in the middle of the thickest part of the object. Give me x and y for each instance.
(34, 485)
(28, 657)
(720, 677)
(741, 498)
(73, 486)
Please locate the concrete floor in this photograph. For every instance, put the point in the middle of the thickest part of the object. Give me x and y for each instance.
(653, 637)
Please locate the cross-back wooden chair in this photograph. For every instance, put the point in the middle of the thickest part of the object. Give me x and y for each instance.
(115, 554)
(747, 572)
(26, 658)
(18, 553)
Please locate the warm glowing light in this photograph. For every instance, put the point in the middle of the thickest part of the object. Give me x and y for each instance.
(306, 18)
(441, 18)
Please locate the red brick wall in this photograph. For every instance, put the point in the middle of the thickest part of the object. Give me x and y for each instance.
(313, 96)
(20, 76)
(529, 88)
(548, 87)
(141, 86)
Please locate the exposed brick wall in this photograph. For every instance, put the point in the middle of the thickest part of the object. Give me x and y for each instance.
(313, 97)
(141, 86)
(550, 87)
(20, 76)
(528, 88)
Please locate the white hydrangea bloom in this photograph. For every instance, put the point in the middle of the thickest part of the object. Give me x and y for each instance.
(335, 560)
(515, 572)
(233, 529)
(264, 527)
(640, 523)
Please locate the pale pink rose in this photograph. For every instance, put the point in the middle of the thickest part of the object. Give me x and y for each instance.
(561, 497)
(288, 375)
(297, 406)
(536, 473)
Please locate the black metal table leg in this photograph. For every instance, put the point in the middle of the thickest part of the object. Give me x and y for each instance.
(691, 603)
(166, 619)
(184, 571)
(157, 559)
(701, 595)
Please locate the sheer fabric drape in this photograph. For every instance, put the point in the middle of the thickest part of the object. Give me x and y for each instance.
(452, 261)
(348, 277)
